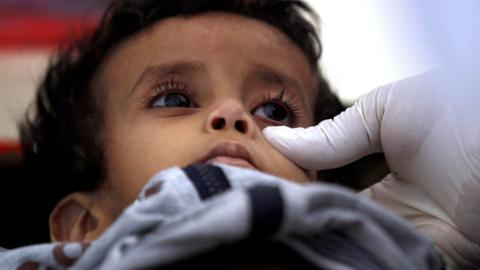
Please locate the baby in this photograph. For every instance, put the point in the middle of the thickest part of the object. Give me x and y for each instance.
(170, 83)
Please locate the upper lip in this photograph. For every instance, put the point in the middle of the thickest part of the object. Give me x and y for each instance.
(230, 149)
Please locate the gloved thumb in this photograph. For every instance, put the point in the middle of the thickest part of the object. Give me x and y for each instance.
(335, 142)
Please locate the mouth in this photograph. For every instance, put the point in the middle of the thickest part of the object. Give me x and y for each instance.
(229, 153)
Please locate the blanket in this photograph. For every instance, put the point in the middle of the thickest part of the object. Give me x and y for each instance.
(183, 214)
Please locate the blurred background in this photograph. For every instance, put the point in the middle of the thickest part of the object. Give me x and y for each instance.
(30, 31)
(366, 44)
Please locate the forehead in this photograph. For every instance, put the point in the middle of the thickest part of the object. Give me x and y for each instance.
(226, 41)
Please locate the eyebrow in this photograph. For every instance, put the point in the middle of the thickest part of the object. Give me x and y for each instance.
(177, 67)
(261, 71)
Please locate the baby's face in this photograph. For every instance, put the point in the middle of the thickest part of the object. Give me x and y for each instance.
(201, 89)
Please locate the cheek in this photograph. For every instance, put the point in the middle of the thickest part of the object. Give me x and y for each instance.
(293, 172)
(135, 155)
(279, 165)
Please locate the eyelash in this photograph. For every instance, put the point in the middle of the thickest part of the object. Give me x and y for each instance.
(170, 86)
(176, 86)
(288, 103)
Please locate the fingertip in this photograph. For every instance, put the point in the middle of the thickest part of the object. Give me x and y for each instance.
(276, 136)
(272, 131)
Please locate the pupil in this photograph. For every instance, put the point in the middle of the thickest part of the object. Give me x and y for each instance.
(275, 112)
(176, 100)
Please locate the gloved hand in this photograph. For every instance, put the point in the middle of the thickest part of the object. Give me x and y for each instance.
(427, 126)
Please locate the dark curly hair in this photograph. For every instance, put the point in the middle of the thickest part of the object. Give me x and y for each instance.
(62, 137)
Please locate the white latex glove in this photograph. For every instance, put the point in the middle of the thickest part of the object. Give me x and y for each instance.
(428, 127)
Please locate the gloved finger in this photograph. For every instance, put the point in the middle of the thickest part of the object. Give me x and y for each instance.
(338, 141)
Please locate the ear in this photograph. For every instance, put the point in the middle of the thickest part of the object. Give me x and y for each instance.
(73, 219)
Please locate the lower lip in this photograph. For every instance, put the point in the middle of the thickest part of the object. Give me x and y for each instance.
(231, 161)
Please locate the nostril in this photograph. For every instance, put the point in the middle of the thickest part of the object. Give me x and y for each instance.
(241, 126)
(218, 123)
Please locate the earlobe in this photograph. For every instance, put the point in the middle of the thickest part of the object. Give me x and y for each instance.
(73, 219)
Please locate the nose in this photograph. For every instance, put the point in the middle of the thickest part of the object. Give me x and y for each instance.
(229, 115)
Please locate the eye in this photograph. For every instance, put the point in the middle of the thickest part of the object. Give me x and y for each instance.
(273, 111)
(172, 100)
(172, 93)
